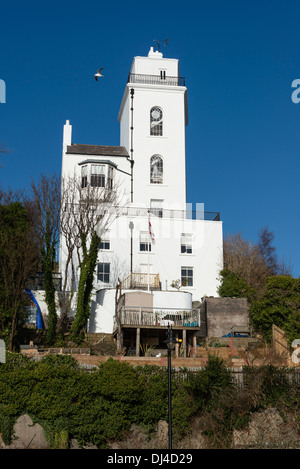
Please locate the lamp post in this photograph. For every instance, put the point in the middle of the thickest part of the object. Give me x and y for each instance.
(171, 342)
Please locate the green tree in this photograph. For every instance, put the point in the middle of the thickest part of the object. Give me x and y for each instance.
(279, 305)
(232, 285)
(19, 256)
(85, 287)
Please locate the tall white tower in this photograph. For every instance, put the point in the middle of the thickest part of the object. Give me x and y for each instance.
(153, 116)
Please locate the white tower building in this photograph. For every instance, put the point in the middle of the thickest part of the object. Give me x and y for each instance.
(150, 165)
(153, 116)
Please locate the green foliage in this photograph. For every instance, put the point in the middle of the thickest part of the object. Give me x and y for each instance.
(206, 384)
(96, 408)
(85, 287)
(271, 382)
(235, 286)
(183, 407)
(154, 403)
(279, 305)
(48, 259)
(6, 426)
(18, 259)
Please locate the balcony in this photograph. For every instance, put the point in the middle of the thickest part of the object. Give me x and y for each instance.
(141, 281)
(131, 316)
(165, 213)
(155, 80)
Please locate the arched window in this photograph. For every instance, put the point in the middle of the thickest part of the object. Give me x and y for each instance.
(156, 121)
(156, 169)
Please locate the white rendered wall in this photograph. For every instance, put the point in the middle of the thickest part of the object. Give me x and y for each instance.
(71, 167)
(153, 63)
(170, 146)
(165, 257)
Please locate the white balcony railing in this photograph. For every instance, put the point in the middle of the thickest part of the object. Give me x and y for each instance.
(143, 316)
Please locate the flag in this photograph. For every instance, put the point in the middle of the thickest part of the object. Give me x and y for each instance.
(151, 232)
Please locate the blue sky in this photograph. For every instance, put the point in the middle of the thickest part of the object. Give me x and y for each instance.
(239, 59)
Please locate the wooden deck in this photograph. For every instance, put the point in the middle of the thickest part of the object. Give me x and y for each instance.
(136, 326)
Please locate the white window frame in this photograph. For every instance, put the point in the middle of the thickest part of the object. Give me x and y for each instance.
(98, 175)
(102, 273)
(186, 243)
(156, 207)
(156, 125)
(144, 242)
(105, 244)
(156, 170)
(110, 177)
(187, 276)
(84, 176)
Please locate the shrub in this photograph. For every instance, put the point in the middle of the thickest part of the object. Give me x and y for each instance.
(206, 384)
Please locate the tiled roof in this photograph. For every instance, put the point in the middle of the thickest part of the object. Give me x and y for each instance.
(102, 150)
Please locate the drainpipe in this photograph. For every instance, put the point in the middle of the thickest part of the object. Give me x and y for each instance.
(131, 142)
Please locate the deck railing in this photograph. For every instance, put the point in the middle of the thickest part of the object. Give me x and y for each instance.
(146, 316)
(141, 280)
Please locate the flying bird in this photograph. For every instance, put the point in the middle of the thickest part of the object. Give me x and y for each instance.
(98, 74)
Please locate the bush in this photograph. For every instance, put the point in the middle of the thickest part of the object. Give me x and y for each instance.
(153, 405)
(206, 384)
(96, 408)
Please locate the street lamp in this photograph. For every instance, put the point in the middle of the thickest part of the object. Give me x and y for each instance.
(171, 342)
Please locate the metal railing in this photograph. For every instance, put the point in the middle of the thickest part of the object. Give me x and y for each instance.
(146, 316)
(166, 213)
(155, 80)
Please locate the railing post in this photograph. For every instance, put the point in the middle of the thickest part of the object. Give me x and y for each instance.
(137, 344)
(184, 342)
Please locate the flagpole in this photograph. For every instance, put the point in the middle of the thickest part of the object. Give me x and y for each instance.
(149, 250)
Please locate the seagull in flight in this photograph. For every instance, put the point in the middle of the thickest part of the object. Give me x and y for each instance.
(98, 74)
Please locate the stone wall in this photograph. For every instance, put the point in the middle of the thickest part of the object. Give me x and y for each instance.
(223, 314)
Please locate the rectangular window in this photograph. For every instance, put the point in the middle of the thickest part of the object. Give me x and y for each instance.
(145, 244)
(83, 176)
(163, 74)
(110, 177)
(186, 243)
(103, 272)
(98, 175)
(104, 244)
(156, 207)
(187, 276)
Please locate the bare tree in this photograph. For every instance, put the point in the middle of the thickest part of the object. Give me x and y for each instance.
(244, 258)
(86, 213)
(46, 196)
(267, 250)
